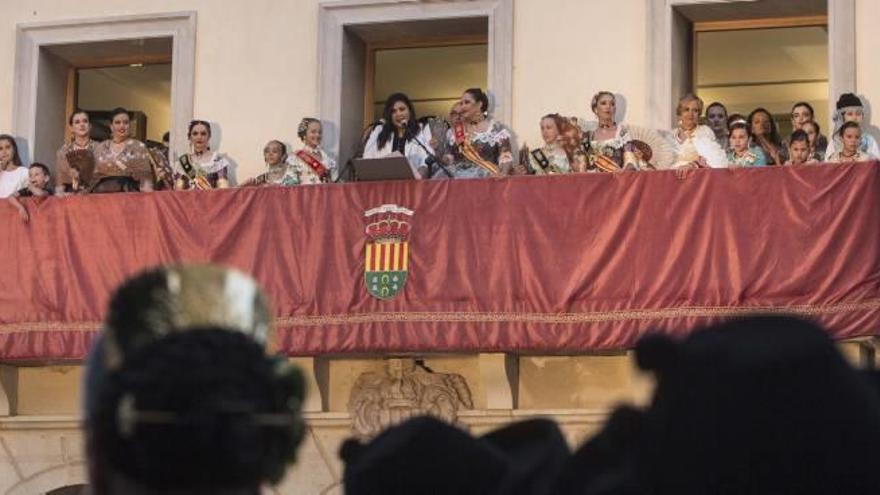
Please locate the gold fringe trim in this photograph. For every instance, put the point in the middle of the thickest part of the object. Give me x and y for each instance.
(506, 317)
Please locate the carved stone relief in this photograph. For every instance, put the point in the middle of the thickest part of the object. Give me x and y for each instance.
(403, 390)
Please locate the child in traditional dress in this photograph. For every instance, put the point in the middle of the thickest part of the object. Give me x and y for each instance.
(740, 153)
(850, 138)
(851, 109)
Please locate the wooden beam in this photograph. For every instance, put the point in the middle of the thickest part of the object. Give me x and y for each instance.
(123, 60)
(767, 23)
(432, 41)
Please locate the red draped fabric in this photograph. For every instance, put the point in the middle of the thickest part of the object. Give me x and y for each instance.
(534, 264)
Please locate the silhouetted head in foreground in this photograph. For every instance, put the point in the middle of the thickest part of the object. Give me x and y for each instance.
(758, 405)
(205, 411)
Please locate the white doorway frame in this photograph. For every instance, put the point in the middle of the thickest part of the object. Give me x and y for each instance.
(335, 15)
(662, 49)
(32, 37)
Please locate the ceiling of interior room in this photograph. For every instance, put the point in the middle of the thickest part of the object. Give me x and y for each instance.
(90, 54)
(732, 10)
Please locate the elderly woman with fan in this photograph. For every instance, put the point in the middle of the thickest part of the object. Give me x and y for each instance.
(613, 146)
(694, 144)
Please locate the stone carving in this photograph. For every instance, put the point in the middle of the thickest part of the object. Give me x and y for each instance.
(405, 389)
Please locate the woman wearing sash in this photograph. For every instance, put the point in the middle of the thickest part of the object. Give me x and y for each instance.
(280, 173)
(75, 160)
(122, 164)
(695, 145)
(311, 163)
(479, 146)
(401, 134)
(608, 142)
(201, 168)
(557, 156)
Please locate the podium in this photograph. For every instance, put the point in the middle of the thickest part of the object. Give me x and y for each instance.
(388, 168)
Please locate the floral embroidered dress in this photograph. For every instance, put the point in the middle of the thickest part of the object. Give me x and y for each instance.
(860, 156)
(480, 154)
(753, 156)
(133, 161)
(282, 174)
(549, 159)
(313, 166)
(601, 151)
(201, 172)
(867, 146)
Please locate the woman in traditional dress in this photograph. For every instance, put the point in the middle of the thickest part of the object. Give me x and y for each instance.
(122, 164)
(694, 144)
(850, 109)
(849, 138)
(557, 156)
(75, 160)
(279, 173)
(202, 168)
(478, 145)
(311, 163)
(13, 176)
(766, 135)
(607, 142)
(401, 134)
(716, 119)
(741, 153)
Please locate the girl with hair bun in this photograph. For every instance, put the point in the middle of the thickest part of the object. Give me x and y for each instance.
(478, 145)
(196, 412)
(311, 163)
(280, 173)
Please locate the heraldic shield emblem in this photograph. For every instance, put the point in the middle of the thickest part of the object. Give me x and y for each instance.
(386, 257)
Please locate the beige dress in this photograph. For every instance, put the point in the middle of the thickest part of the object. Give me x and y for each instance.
(133, 160)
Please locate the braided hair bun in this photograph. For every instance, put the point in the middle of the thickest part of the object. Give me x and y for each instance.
(200, 410)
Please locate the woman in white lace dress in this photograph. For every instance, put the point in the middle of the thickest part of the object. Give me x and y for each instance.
(695, 145)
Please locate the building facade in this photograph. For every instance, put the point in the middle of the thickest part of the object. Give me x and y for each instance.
(255, 68)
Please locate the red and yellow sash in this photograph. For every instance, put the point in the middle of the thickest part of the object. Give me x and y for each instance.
(313, 163)
(467, 149)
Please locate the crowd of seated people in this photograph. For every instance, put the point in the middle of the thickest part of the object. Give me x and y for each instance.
(468, 143)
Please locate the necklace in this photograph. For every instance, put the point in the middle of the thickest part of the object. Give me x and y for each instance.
(845, 155)
(116, 148)
(685, 134)
(78, 146)
(612, 125)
